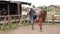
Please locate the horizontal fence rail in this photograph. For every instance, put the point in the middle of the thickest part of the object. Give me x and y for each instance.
(5, 18)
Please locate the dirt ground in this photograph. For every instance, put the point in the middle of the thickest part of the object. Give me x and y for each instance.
(47, 29)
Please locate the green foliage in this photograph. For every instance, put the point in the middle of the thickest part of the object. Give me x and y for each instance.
(27, 9)
(49, 9)
(57, 13)
(39, 6)
(33, 6)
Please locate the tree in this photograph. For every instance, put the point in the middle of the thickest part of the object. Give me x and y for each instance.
(27, 8)
(33, 6)
(39, 6)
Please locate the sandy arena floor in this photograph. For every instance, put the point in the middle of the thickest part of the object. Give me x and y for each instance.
(47, 29)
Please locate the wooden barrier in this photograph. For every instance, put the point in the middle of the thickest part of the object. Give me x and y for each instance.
(8, 20)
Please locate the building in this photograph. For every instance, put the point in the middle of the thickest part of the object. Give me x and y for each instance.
(9, 10)
(54, 7)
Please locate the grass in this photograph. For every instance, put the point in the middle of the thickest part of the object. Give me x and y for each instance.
(57, 13)
(7, 29)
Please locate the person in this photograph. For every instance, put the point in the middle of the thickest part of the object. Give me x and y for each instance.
(32, 17)
(40, 22)
(41, 17)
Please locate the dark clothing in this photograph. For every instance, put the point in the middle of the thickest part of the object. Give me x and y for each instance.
(32, 15)
(32, 12)
(35, 16)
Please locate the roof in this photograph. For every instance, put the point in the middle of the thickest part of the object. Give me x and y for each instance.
(20, 2)
(4, 2)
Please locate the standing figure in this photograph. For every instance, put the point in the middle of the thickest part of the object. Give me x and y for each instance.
(42, 17)
(31, 13)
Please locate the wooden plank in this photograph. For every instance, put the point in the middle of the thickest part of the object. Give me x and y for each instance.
(4, 16)
(54, 20)
(7, 21)
(4, 24)
(4, 2)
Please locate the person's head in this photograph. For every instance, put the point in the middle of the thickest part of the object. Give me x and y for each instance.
(31, 8)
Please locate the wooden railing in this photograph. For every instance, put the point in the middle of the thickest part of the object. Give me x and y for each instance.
(5, 18)
(9, 19)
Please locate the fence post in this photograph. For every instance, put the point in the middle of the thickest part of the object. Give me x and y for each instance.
(4, 24)
(9, 21)
(16, 21)
(52, 19)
